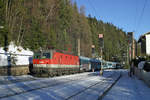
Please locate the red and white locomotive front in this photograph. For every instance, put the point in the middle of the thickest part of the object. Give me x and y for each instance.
(54, 62)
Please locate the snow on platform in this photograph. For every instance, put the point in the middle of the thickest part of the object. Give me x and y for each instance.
(128, 88)
(84, 86)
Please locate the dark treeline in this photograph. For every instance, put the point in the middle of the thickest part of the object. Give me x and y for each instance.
(57, 24)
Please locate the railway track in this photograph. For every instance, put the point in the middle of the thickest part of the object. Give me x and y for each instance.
(12, 81)
(83, 90)
(89, 87)
(51, 83)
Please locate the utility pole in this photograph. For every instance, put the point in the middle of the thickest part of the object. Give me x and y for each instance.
(130, 45)
(127, 55)
(133, 47)
(93, 51)
(79, 47)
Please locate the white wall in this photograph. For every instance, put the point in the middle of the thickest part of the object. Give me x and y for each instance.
(148, 44)
(21, 55)
(143, 75)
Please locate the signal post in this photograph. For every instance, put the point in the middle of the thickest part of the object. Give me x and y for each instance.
(101, 43)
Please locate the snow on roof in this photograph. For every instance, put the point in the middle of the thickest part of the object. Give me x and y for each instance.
(12, 48)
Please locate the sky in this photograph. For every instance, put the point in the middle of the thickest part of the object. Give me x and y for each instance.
(129, 15)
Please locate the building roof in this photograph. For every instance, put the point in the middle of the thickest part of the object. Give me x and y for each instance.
(143, 36)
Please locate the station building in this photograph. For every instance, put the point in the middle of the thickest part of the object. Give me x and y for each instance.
(144, 44)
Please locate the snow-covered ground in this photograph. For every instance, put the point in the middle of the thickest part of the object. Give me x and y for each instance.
(83, 86)
(4, 80)
(128, 88)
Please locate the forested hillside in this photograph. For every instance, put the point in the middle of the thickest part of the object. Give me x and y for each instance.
(115, 39)
(57, 24)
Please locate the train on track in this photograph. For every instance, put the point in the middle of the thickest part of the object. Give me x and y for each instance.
(53, 63)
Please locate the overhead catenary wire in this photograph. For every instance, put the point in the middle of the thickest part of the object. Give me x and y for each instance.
(92, 6)
(135, 16)
(140, 18)
(90, 3)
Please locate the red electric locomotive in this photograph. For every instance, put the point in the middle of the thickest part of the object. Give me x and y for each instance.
(54, 63)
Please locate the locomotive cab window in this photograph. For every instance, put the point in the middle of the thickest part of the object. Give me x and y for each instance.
(46, 55)
(37, 55)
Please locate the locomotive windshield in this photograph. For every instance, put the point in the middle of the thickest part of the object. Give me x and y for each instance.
(42, 55)
(46, 55)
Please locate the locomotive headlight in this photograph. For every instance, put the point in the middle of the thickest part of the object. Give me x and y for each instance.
(41, 62)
